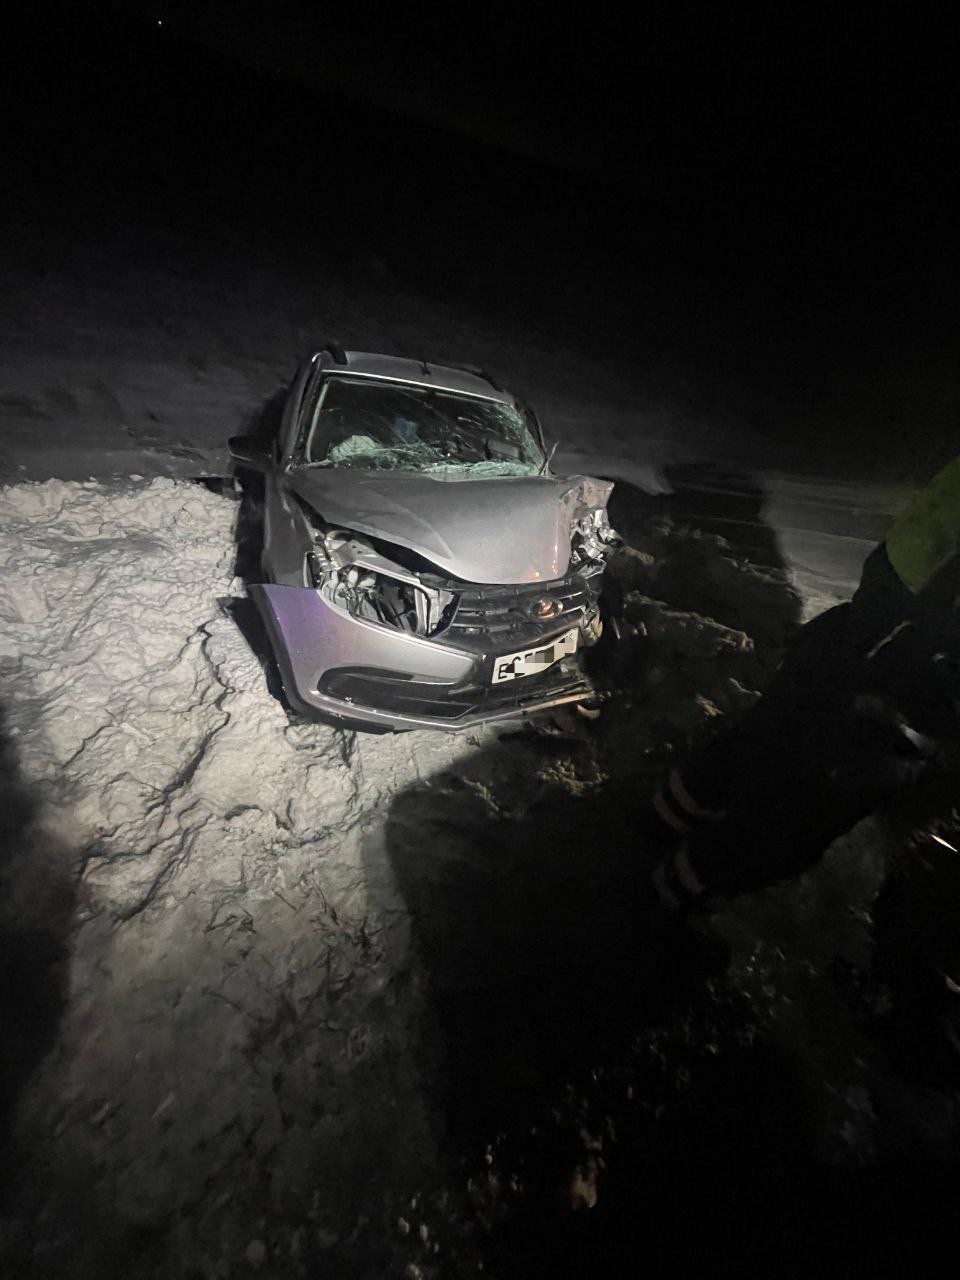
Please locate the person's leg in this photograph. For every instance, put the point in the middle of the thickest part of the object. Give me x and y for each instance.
(725, 811)
(748, 772)
(828, 768)
(880, 603)
(695, 794)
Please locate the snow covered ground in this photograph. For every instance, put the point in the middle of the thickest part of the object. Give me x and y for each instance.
(233, 975)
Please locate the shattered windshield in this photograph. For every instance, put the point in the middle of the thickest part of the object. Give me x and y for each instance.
(387, 426)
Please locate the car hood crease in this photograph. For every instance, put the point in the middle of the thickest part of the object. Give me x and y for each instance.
(494, 530)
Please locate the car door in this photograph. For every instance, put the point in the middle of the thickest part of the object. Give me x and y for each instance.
(284, 536)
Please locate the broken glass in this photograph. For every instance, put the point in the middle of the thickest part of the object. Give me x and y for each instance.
(379, 425)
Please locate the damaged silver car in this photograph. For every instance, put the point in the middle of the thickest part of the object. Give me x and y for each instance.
(424, 568)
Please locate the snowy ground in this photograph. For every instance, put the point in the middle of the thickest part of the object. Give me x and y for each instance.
(234, 962)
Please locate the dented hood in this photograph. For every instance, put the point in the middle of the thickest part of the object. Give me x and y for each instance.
(497, 530)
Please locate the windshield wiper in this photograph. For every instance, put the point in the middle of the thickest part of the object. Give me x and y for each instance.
(548, 458)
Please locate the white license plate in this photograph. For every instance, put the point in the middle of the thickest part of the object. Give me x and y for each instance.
(530, 662)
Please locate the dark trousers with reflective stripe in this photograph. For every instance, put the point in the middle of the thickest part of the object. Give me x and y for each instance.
(799, 785)
(763, 801)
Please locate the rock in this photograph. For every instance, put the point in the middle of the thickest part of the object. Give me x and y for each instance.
(582, 1190)
(256, 1253)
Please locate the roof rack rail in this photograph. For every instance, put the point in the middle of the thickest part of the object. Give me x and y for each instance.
(335, 350)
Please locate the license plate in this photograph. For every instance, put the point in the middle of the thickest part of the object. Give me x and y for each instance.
(530, 662)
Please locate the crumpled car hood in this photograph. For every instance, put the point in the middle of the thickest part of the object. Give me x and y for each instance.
(495, 530)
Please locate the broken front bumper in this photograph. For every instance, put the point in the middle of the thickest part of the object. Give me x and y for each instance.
(335, 665)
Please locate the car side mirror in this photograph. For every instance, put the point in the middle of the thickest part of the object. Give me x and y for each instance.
(255, 452)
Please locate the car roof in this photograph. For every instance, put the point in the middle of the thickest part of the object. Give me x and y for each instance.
(466, 379)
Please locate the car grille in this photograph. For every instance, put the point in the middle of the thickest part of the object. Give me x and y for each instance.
(499, 619)
(397, 693)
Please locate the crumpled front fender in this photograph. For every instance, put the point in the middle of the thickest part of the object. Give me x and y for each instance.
(309, 637)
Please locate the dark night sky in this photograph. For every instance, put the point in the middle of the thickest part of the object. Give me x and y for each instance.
(779, 131)
(683, 93)
(786, 175)
(853, 105)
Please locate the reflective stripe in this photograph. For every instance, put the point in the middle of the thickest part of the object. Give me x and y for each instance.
(686, 800)
(667, 815)
(907, 622)
(685, 873)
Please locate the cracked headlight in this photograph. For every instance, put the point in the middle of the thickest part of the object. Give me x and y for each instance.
(352, 575)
